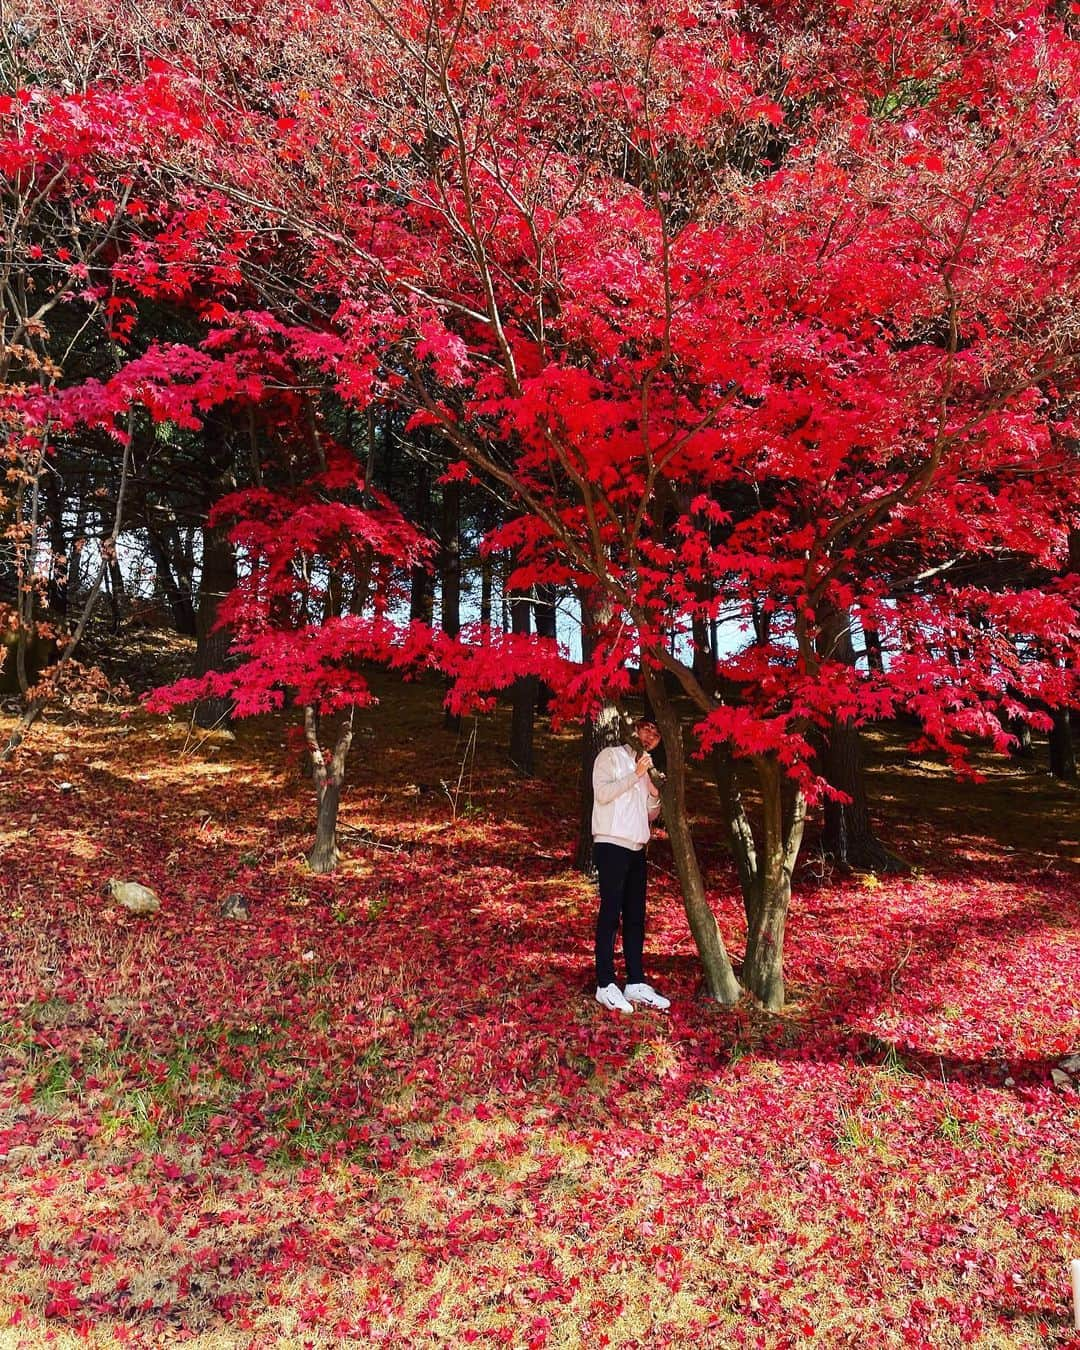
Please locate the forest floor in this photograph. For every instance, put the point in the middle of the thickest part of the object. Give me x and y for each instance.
(385, 1109)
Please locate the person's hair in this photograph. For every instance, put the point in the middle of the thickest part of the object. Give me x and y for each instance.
(645, 722)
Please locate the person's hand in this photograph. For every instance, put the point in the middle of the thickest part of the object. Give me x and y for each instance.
(644, 764)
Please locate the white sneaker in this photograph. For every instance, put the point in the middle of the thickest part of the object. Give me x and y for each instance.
(645, 993)
(610, 996)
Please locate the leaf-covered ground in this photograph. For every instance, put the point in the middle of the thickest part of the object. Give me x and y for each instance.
(385, 1110)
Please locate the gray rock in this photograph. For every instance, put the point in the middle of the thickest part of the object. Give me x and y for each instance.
(1071, 1064)
(1061, 1078)
(235, 907)
(133, 897)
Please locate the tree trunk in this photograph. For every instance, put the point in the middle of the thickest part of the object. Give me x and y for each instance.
(450, 574)
(489, 517)
(763, 968)
(720, 978)
(523, 710)
(59, 548)
(847, 835)
(1062, 746)
(212, 644)
(117, 594)
(329, 779)
(1062, 742)
(1020, 729)
(487, 573)
(740, 834)
(324, 856)
(422, 583)
(36, 706)
(875, 657)
(546, 626)
(783, 820)
(169, 565)
(704, 663)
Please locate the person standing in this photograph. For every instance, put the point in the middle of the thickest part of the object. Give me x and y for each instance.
(625, 803)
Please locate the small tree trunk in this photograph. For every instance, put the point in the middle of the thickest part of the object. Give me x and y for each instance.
(487, 572)
(719, 976)
(212, 643)
(847, 835)
(324, 856)
(74, 570)
(422, 583)
(1062, 740)
(1020, 729)
(740, 832)
(875, 657)
(763, 968)
(117, 595)
(1062, 746)
(488, 518)
(450, 569)
(60, 548)
(168, 566)
(108, 557)
(546, 626)
(783, 821)
(704, 657)
(523, 709)
(329, 780)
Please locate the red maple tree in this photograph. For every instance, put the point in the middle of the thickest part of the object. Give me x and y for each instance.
(763, 317)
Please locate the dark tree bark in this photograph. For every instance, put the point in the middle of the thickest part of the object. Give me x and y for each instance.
(488, 519)
(164, 551)
(75, 557)
(740, 834)
(783, 809)
(450, 573)
(765, 864)
(545, 618)
(762, 621)
(487, 574)
(36, 706)
(523, 707)
(329, 774)
(720, 979)
(60, 547)
(422, 583)
(1062, 739)
(848, 836)
(1020, 730)
(875, 657)
(704, 655)
(1062, 746)
(114, 581)
(211, 643)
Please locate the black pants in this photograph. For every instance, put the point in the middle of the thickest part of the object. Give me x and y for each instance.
(621, 872)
